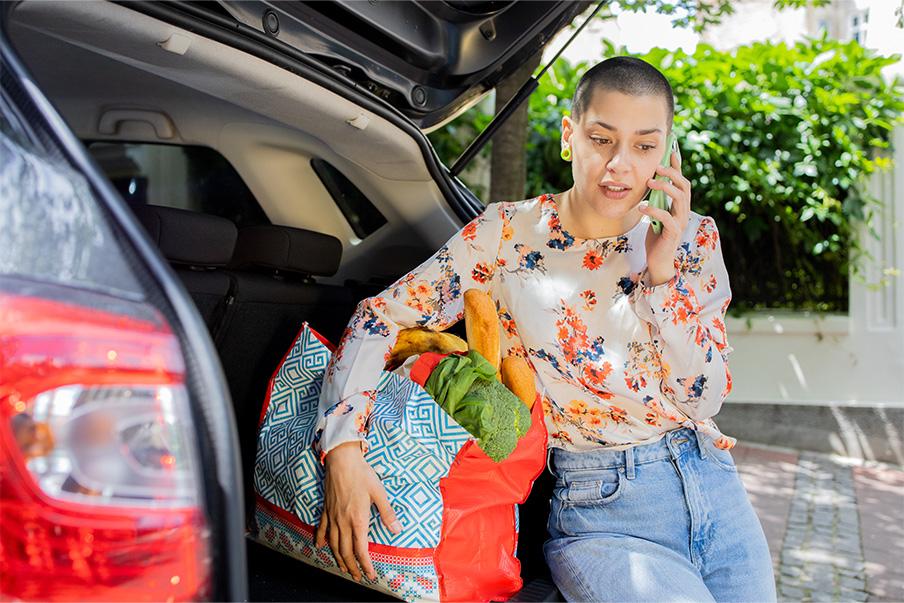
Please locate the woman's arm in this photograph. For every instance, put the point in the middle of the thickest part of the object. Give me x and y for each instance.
(431, 295)
(687, 315)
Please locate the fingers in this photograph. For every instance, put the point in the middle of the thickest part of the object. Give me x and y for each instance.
(387, 514)
(670, 225)
(679, 189)
(347, 552)
(345, 520)
(360, 541)
(320, 534)
(670, 189)
(334, 547)
(349, 547)
(677, 178)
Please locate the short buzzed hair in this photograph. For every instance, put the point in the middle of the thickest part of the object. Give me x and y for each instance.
(628, 75)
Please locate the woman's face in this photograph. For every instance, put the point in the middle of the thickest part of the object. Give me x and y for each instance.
(619, 140)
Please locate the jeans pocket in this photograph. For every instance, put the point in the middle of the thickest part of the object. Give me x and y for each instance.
(598, 487)
(721, 458)
(584, 505)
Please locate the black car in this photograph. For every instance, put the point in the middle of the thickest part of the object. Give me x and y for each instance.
(182, 184)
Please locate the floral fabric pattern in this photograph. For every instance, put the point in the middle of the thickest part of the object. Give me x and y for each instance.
(617, 362)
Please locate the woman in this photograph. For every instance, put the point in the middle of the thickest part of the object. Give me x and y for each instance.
(625, 331)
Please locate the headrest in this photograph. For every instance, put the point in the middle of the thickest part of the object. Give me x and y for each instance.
(286, 249)
(188, 237)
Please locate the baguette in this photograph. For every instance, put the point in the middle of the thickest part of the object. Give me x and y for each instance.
(518, 376)
(482, 326)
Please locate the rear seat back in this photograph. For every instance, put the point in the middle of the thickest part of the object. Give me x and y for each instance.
(198, 246)
(274, 269)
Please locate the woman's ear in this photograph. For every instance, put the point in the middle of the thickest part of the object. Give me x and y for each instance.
(567, 129)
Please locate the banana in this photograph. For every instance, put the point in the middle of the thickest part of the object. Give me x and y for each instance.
(519, 378)
(417, 340)
(482, 326)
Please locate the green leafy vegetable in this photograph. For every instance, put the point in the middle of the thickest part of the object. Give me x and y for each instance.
(467, 389)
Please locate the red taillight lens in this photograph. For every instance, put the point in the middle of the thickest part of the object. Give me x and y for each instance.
(99, 490)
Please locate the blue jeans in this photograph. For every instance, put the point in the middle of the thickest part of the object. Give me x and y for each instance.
(667, 521)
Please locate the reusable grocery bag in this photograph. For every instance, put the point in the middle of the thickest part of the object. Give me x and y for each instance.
(458, 508)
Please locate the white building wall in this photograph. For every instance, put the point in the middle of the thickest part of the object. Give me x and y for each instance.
(855, 359)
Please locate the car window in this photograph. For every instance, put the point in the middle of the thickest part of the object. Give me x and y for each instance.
(359, 212)
(51, 228)
(187, 177)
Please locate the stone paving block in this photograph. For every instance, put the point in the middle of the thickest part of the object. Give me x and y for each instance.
(852, 574)
(852, 583)
(853, 595)
(822, 586)
(791, 593)
(791, 572)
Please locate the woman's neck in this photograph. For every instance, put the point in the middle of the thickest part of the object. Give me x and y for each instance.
(581, 221)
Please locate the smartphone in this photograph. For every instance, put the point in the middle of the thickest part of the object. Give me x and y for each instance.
(663, 201)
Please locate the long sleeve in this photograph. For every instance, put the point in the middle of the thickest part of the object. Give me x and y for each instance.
(687, 314)
(429, 296)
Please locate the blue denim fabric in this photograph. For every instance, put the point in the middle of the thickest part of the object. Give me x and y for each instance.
(667, 521)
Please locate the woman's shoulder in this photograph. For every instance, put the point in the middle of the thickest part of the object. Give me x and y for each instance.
(701, 231)
(697, 222)
(509, 209)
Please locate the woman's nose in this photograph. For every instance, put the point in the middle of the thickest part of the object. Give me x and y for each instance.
(617, 161)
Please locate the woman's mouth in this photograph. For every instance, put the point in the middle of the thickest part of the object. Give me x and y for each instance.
(615, 192)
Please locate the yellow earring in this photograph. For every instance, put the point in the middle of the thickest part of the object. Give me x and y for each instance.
(566, 153)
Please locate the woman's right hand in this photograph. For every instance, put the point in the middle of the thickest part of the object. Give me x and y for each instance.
(350, 486)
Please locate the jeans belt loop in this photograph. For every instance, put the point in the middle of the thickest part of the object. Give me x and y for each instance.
(629, 463)
(701, 444)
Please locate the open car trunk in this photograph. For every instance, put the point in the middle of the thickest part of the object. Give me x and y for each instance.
(123, 79)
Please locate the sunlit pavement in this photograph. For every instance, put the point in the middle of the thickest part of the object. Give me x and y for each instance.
(835, 526)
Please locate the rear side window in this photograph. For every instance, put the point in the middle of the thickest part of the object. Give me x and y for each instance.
(187, 177)
(359, 212)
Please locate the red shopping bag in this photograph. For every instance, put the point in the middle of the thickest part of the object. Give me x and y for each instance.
(476, 558)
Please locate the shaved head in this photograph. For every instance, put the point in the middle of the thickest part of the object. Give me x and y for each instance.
(628, 75)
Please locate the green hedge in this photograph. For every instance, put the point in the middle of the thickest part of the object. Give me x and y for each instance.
(778, 142)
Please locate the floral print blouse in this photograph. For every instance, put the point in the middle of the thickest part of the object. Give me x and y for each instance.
(616, 361)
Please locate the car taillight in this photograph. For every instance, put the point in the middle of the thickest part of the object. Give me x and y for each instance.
(100, 497)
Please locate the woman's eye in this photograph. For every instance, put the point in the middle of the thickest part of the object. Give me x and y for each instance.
(599, 140)
(647, 147)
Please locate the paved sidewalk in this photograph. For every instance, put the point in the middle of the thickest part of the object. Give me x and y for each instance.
(835, 526)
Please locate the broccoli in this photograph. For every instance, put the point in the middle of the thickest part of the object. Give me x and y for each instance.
(466, 388)
(508, 418)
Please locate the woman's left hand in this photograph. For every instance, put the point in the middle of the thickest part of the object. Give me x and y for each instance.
(662, 247)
